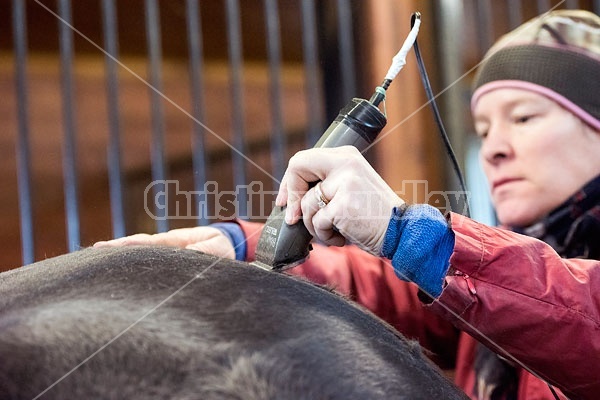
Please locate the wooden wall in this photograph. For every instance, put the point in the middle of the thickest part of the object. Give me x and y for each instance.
(404, 152)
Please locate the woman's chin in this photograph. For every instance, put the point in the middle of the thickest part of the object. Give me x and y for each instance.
(516, 215)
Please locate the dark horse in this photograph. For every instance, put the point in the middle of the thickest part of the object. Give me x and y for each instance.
(147, 323)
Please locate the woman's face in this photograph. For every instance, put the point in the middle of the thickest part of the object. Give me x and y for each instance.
(535, 153)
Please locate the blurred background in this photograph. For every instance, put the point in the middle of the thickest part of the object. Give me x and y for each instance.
(100, 98)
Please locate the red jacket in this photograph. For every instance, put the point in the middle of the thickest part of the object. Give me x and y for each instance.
(545, 313)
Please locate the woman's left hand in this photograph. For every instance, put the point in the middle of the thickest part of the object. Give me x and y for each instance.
(356, 203)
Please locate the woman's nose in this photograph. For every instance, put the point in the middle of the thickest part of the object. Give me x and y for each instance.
(496, 146)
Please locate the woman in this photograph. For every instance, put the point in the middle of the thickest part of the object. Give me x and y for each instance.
(534, 300)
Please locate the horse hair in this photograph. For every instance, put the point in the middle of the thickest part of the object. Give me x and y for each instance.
(154, 322)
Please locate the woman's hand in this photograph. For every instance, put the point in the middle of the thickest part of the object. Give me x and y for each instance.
(204, 238)
(359, 202)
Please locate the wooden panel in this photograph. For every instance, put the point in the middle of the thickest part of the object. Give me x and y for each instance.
(408, 148)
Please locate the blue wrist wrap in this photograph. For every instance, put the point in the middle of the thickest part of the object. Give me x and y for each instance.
(419, 242)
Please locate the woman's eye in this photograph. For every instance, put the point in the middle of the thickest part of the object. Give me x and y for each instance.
(523, 119)
(481, 130)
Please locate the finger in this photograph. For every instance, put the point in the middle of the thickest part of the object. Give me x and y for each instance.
(137, 239)
(315, 164)
(309, 208)
(324, 228)
(282, 195)
(176, 238)
(314, 201)
(304, 168)
(217, 246)
(294, 198)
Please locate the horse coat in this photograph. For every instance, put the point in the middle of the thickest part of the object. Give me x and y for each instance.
(153, 322)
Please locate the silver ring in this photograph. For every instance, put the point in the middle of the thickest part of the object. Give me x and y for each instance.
(322, 201)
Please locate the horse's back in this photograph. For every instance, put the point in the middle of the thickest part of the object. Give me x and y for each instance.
(167, 323)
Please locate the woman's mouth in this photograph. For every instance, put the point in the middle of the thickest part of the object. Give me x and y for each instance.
(503, 182)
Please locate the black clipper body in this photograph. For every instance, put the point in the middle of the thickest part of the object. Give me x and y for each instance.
(282, 246)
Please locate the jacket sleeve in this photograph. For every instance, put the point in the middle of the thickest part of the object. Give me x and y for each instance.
(371, 282)
(516, 294)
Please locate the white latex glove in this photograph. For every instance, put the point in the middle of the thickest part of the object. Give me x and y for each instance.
(360, 202)
(203, 238)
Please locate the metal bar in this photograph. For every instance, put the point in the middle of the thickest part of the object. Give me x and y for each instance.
(597, 6)
(314, 102)
(23, 148)
(194, 32)
(278, 143)
(485, 26)
(68, 107)
(543, 6)
(115, 176)
(157, 147)
(515, 13)
(236, 67)
(451, 56)
(346, 54)
(571, 4)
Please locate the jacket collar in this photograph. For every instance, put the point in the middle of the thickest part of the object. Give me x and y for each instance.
(573, 229)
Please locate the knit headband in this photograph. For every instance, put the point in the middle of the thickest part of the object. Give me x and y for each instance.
(568, 73)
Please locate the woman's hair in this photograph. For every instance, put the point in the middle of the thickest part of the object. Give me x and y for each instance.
(556, 54)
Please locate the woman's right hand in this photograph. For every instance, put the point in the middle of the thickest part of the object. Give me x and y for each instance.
(351, 203)
(203, 238)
